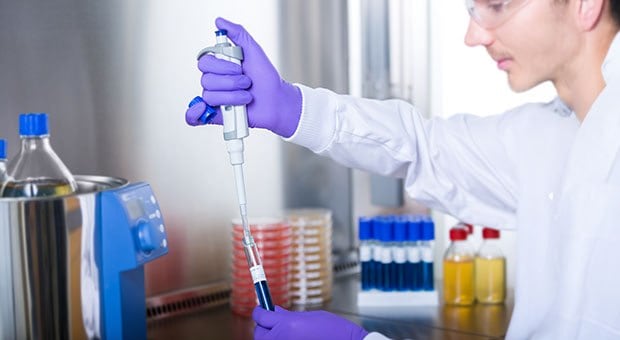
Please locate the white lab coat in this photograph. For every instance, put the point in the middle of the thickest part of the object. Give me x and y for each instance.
(535, 169)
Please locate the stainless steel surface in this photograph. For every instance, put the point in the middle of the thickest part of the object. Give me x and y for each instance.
(314, 36)
(40, 261)
(440, 322)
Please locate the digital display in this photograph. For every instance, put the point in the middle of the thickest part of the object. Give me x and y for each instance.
(135, 209)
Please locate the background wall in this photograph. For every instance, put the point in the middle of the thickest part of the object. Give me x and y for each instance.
(116, 78)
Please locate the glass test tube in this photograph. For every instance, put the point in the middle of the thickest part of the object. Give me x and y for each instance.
(258, 274)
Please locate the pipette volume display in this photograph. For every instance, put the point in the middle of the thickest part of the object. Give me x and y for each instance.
(235, 129)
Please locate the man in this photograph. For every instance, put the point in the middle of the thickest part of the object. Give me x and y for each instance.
(551, 171)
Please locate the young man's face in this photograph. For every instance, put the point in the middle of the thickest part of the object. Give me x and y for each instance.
(535, 43)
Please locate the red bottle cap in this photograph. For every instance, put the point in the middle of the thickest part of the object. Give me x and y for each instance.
(490, 233)
(458, 234)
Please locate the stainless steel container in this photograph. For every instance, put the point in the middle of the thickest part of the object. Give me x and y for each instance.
(42, 260)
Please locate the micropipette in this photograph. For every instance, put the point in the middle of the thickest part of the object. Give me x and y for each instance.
(235, 129)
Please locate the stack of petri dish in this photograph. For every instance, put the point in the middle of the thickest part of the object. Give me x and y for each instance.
(274, 239)
(312, 276)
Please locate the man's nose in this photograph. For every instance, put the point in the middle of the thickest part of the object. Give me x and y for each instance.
(477, 35)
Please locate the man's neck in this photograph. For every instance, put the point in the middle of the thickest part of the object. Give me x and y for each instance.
(582, 80)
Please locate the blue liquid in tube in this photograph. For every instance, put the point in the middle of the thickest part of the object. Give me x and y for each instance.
(264, 297)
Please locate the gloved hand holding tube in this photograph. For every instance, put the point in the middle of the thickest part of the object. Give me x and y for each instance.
(272, 103)
(283, 325)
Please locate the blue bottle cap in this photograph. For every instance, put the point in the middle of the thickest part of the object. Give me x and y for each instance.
(414, 228)
(365, 225)
(2, 149)
(400, 229)
(221, 32)
(428, 229)
(33, 124)
(384, 228)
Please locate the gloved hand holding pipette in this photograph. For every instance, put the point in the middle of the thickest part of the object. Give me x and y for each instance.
(272, 103)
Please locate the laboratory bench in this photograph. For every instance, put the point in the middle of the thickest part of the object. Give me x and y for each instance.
(421, 322)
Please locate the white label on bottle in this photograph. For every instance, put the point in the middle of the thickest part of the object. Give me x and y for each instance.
(427, 254)
(258, 274)
(376, 253)
(413, 254)
(399, 254)
(365, 253)
(386, 255)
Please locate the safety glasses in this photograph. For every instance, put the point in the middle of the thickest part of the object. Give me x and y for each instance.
(491, 14)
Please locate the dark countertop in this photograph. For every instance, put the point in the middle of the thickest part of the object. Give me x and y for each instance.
(437, 322)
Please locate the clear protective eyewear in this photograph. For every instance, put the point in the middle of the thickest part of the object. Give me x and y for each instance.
(493, 13)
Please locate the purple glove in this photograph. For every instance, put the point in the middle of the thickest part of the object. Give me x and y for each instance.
(272, 103)
(285, 325)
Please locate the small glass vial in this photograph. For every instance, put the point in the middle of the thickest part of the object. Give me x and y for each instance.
(3, 175)
(386, 235)
(399, 255)
(366, 248)
(490, 269)
(413, 274)
(427, 246)
(458, 269)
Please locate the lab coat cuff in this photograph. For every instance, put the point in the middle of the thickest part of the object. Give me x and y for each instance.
(317, 121)
(375, 336)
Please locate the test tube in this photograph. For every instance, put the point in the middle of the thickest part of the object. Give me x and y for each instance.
(258, 274)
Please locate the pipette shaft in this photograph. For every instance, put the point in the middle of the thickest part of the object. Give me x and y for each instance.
(235, 129)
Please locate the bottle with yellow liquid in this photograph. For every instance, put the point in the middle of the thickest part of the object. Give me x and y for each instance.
(490, 269)
(458, 270)
(36, 171)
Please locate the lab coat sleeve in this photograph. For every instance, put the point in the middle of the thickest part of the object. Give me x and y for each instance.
(459, 165)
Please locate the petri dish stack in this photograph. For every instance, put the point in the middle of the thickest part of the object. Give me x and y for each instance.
(274, 239)
(312, 276)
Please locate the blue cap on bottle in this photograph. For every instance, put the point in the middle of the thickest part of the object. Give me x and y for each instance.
(365, 225)
(2, 149)
(414, 228)
(221, 32)
(33, 124)
(384, 228)
(400, 229)
(428, 228)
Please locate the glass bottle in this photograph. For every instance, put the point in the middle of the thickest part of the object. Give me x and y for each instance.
(490, 269)
(37, 171)
(458, 269)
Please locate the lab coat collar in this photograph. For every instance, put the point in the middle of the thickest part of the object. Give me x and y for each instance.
(611, 64)
(596, 144)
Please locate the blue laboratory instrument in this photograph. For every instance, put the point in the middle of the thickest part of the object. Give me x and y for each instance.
(130, 234)
(235, 129)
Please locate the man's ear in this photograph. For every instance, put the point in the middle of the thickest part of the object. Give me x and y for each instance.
(589, 13)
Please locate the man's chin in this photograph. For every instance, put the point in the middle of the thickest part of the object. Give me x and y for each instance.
(519, 85)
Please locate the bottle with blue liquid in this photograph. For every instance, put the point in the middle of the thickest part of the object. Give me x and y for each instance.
(366, 252)
(399, 255)
(427, 245)
(414, 262)
(386, 275)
